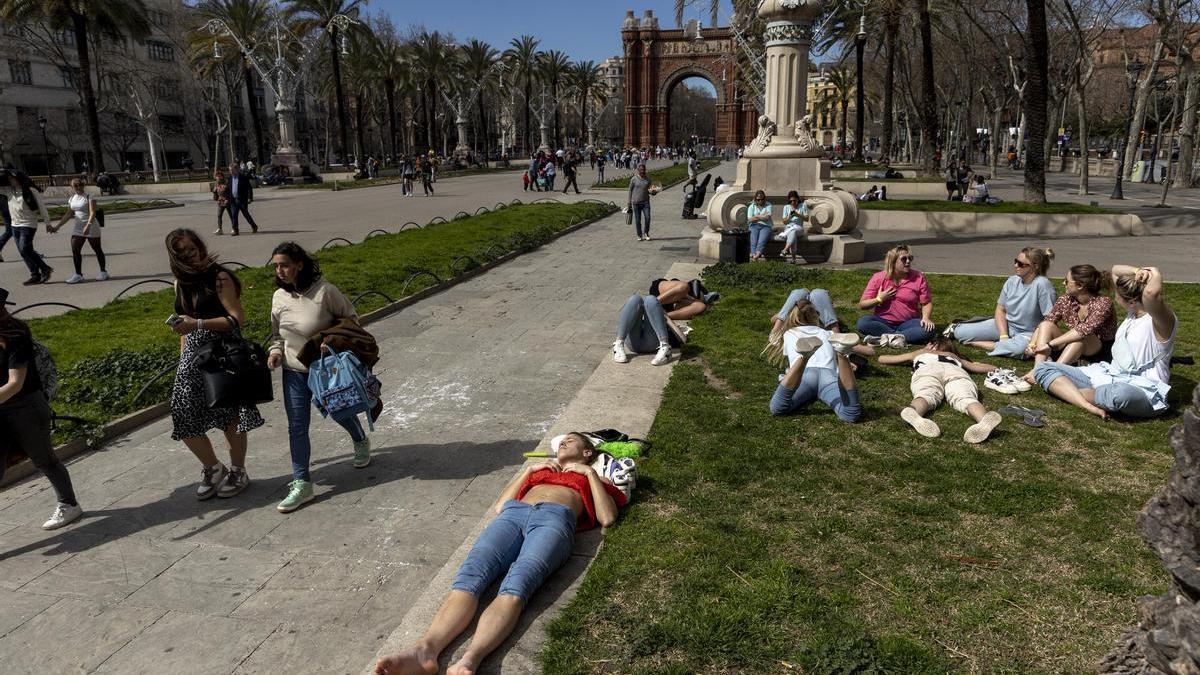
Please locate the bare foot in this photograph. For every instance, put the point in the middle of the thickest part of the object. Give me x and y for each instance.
(413, 661)
(463, 667)
(1028, 377)
(1098, 412)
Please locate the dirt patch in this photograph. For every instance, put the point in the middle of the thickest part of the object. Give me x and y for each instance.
(713, 381)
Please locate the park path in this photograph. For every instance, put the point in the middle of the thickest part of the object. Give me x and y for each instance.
(150, 580)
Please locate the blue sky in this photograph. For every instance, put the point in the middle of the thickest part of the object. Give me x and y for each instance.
(582, 29)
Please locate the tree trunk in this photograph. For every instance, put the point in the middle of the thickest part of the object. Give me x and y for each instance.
(1037, 48)
(528, 93)
(1174, 124)
(1187, 134)
(153, 151)
(256, 126)
(429, 113)
(360, 141)
(343, 123)
(890, 28)
(1084, 167)
(1139, 109)
(929, 116)
(80, 26)
(391, 109)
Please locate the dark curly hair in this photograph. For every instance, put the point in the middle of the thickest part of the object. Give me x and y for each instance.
(310, 271)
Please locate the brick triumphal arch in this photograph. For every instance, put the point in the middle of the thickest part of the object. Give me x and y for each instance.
(657, 60)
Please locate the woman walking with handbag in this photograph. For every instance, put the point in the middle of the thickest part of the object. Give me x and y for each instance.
(207, 306)
(304, 305)
(220, 192)
(87, 229)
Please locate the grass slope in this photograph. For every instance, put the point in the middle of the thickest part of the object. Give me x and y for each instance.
(958, 206)
(756, 541)
(665, 177)
(100, 377)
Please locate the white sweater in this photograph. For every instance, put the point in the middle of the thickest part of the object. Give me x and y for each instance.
(22, 215)
(296, 317)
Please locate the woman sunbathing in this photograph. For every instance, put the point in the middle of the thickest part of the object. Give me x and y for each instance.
(817, 365)
(538, 514)
(682, 300)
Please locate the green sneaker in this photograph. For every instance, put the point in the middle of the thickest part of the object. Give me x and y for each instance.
(362, 453)
(299, 494)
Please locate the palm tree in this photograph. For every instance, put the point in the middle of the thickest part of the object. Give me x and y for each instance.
(479, 61)
(841, 82)
(522, 56)
(83, 17)
(433, 59)
(246, 19)
(316, 14)
(553, 67)
(387, 58)
(586, 78)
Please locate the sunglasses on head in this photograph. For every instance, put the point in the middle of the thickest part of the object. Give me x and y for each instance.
(1017, 262)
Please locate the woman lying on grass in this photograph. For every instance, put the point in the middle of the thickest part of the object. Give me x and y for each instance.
(817, 364)
(940, 372)
(1135, 382)
(538, 514)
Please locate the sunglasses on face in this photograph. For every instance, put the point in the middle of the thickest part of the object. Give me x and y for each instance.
(906, 259)
(1017, 263)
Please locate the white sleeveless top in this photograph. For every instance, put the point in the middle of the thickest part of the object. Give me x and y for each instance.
(1137, 351)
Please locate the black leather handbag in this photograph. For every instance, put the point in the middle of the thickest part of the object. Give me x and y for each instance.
(235, 371)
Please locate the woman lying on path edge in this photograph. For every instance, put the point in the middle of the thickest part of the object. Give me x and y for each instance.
(538, 514)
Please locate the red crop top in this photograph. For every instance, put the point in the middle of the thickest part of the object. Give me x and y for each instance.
(579, 483)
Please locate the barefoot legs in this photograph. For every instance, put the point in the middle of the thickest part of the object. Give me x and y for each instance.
(452, 618)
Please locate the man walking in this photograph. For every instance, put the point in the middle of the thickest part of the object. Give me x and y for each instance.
(240, 195)
(571, 169)
(600, 168)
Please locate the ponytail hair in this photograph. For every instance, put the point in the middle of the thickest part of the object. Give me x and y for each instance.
(1092, 280)
(1039, 258)
(1128, 287)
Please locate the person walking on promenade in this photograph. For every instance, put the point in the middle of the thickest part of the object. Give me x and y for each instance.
(83, 209)
(220, 192)
(240, 195)
(25, 415)
(304, 305)
(25, 209)
(600, 168)
(639, 202)
(425, 168)
(551, 170)
(207, 304)
(571, 171)
(407, 171)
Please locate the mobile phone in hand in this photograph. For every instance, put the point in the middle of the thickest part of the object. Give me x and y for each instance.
(173, 319)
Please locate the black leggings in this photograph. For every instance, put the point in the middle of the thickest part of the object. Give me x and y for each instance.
(25, 424)
(77, 252)
(426, 183)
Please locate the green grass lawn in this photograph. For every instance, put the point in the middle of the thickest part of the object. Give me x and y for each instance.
(100, 377)
(665, 177)
(958, 206)
(120, 206)
(756, 541)
(860, 177)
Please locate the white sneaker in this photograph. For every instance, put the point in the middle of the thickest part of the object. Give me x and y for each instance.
(873, 340)
(805, 346)
(924, 426)
(75, 278)
(235, 482)
(843, 342)
(1016, 380)
(102, 276)
(63, 515)
(949, 332)
(218, 231)
(647, 237)
(894, 340)
(210, 481)
(662, 355)
(618, 351)
(979, 432)
(1001, 380)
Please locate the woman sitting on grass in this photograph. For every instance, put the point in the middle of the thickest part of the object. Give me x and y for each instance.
(1088, 312)
(1026, 297)
(1135, 382)
(817, 364)
(538, 514)
(900, 300)
(940, 372)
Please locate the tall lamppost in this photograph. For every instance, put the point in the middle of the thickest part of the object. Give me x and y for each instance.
(46, 150)
(860, 42)
(283, 76)
(1132, 70)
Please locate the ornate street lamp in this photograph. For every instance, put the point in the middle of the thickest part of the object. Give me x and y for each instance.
(860, 42)
(1132, 70)
(41, 122)
(282, 76)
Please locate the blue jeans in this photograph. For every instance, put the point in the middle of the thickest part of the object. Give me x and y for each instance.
(642, 324)
(641, 211)
(819, 297)
(33, 259)
(1117, 397)
(759, 236)
(530, 541)
(297, 402)
(818, 383)
(913, 332)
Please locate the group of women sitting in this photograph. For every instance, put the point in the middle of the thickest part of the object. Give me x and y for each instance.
(1129, 369)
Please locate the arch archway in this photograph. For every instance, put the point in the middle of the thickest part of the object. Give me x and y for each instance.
(691, 103)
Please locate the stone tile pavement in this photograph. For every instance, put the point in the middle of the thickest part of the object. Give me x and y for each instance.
(150, 580)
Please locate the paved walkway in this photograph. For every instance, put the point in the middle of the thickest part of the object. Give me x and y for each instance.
(150, 580)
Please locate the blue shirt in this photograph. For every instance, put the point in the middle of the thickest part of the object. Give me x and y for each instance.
(1026, 304)
(754, 210)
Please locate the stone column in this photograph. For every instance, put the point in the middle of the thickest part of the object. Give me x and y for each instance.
(287, 128)
(787, 37)
(462, 151)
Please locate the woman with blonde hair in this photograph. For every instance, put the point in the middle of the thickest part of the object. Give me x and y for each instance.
(1136, 382)
(1026, 297)
(900, 301)
(817, 364)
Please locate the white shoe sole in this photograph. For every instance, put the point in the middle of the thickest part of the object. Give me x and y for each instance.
(924, 426)
(805, 346)
(843, 342)
(280, 508)
(979, 432)
(1002, 388)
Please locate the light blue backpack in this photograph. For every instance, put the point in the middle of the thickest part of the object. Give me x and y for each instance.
(342, 387)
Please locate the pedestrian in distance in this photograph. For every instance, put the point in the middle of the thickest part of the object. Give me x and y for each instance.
(207, 304)
(25, 415)
(640, 190)
(220, 193)
(25, 209)
(571, 171)
(240, 195)
(83, 209)
(407, 172)
(304, 304)
(425, 167)
(600, 168)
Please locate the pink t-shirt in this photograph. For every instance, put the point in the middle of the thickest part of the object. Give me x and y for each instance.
(906, 304)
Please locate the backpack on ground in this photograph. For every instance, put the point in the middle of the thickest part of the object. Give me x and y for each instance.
(342, 387)
(47, 371)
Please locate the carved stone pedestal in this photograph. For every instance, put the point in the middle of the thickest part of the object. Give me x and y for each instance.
(297, 163)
